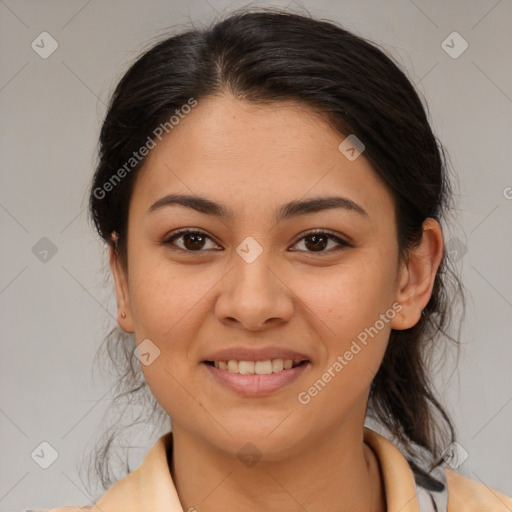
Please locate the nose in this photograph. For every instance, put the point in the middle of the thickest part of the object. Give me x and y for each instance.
(254, 295)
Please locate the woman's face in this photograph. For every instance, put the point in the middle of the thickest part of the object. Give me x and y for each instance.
(256, 279)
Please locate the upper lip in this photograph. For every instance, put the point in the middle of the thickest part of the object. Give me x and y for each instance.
(254, 354)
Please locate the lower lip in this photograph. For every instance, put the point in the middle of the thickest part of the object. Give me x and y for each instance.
(256, 385)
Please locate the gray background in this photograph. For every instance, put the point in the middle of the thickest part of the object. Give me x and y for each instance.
(55, 312)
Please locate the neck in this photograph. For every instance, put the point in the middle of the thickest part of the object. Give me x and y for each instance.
(338, 472)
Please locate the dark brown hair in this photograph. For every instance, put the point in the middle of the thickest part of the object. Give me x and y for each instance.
(265, 56)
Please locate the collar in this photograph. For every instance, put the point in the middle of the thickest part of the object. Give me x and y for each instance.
(150, 487)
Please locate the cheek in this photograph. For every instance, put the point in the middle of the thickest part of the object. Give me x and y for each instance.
(169, 304)
(166, 298)
(350, 297)
(352, 310)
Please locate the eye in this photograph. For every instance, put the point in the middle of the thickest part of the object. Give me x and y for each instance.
(317, 241)
(192, 240)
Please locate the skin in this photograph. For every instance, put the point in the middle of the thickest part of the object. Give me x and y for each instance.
(254, 159)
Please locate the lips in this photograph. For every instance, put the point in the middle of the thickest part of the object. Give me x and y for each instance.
(255, 385)
(253, 354)
(255, 372)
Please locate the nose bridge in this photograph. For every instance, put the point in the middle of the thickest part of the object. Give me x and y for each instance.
(253, 269)
(253, 293)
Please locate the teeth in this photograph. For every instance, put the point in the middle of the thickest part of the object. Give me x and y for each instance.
(277, 365)
(255, 367)
(263, 367)
(246, 367)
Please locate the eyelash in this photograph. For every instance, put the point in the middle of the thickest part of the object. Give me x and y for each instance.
(168, 242)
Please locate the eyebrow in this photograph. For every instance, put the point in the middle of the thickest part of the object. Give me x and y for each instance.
(287, 211)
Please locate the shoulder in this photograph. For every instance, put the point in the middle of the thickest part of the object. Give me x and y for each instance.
(467, 495)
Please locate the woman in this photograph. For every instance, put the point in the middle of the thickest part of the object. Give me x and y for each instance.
(272, 195)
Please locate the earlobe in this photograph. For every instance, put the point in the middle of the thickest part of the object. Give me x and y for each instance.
(124, 316)
(417, 276)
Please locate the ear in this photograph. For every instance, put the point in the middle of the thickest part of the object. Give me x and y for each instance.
(417, 274)
(121, 286)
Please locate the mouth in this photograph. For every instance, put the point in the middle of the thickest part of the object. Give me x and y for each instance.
(265, 367)
(255, 378)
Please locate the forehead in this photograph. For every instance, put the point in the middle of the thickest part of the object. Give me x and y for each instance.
(222, 127)
(246, 153)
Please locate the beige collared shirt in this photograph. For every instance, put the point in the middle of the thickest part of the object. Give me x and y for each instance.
(150, 487)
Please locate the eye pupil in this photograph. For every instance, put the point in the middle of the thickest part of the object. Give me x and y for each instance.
(196, 238)
(316, 243)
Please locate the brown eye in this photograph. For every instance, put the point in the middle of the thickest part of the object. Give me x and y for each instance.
(318, 241)
(191, 241)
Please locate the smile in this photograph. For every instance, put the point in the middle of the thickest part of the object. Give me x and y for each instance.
(244, 377)
(255, 367)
